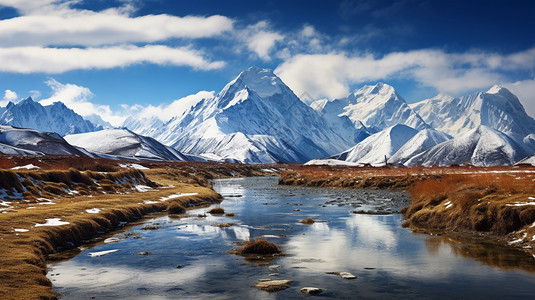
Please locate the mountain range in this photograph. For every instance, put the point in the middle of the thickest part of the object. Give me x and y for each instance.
(256, 118)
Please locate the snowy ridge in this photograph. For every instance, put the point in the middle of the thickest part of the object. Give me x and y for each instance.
(51, 118)
(482, 146)
(123, 143)
(33, 142)
(497, 108)
(374, 107)
(420, 142)
(376, 147)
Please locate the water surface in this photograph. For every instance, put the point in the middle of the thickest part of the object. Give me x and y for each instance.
(188, 260)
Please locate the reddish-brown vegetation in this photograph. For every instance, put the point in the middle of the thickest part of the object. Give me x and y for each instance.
(495, 203)
(308, 221)
(216, 211)
(258, 247)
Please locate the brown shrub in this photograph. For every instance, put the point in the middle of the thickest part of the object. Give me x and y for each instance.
(261, 247)
(9, 180)
(175, 207)
(216, 211)
(307, 221)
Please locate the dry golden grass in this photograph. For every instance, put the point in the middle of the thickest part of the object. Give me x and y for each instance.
(24, 254)
(175, 207)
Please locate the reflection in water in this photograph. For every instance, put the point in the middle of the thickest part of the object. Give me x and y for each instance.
(489, 254)
(188, 256)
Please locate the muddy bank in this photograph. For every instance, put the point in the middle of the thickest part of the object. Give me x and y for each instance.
(355, 178)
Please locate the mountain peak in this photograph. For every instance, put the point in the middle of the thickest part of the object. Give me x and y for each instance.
(379, 88)
(27, 100)
(496, 89)
(263, 81)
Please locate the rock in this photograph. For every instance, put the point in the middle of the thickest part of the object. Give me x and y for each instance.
(142, 253)
(274, 268)
(271, 285)
(179, 266)
(345, 275)
(311, 290)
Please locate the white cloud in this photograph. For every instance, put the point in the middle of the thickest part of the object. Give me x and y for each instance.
(9, 95)
(525, 91)
(260, 39)
(52, 36)
(77, 98)
(58, 60)
(95, 29)
(165, 112)
(330, 75)
(46, 23)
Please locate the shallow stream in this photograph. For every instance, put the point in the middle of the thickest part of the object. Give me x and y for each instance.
(185, 257)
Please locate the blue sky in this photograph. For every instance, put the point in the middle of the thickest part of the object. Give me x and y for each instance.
(126, 57)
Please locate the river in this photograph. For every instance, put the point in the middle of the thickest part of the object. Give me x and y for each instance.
(185, 258)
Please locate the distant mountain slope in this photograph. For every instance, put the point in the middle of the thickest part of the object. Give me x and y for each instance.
(376, 147)
(256, 118)
(375, 107)
(124, 143)
(51, 118)
(482, 146)
(497, 108)
(422, 141)
(31, 142)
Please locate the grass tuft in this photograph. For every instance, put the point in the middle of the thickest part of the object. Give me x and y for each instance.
(216, 211)
(260, 247)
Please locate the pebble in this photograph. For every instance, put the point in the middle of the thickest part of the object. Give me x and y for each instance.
(311, 290)
(271, 285)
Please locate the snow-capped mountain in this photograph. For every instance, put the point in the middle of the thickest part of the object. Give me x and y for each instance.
(530, 160)
(379, 146)
(497, 108)
(376, 107)
(33, 142)
(482, 146)
(422, 141)
(256, 118)
(51, 118)
(123, 143)
(98, 121)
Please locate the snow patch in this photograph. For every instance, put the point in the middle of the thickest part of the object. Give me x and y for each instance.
(20, 230)
(331, 162)
(178, 195)
(52, 222)
(26, 167)
(142, 188)
(134, 166)
(93, 211)
(521, 204)
(102, 253)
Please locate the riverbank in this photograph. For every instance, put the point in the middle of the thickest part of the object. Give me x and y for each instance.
(495, 204)
(55, 210)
